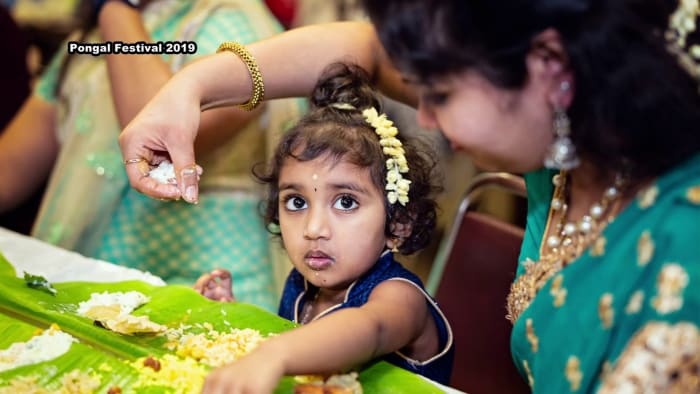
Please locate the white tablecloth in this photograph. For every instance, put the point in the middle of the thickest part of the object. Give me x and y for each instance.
(59, 265)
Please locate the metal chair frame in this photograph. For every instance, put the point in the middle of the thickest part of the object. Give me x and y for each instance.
(500, 180)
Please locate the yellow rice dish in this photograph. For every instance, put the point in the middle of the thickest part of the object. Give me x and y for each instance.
(214, 348)
(182, 372)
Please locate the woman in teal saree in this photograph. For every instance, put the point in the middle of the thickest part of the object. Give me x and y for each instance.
(601, 93)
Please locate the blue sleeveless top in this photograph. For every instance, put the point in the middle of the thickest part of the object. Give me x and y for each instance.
(437, 368)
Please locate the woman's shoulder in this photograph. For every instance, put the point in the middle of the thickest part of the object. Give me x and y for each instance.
(671, 206)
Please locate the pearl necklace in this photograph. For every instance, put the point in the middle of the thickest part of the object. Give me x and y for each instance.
(571, 238)
(566, 244)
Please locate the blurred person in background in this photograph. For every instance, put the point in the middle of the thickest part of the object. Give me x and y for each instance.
(15, 80)
(68, 128)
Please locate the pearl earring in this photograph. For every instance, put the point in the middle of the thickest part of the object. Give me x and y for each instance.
(561, 155)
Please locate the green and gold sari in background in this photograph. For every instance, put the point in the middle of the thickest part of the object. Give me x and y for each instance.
(624, 316)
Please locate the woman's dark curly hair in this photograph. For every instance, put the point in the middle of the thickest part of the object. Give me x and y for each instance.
(344, 134)
(634, 107)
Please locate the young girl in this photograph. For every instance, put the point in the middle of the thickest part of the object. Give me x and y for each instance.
(347, 195)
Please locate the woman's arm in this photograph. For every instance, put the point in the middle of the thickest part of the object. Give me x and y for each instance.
(28, 150)
(394, 316)
(290, 64)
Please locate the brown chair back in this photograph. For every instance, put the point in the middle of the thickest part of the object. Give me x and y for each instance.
(470, 284)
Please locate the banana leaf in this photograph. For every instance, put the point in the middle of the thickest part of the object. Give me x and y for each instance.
(23, 310)
(111, 370)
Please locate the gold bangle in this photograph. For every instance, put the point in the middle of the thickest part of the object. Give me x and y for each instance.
(255, 76)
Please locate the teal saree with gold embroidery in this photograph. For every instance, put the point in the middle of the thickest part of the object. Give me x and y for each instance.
(625, 318)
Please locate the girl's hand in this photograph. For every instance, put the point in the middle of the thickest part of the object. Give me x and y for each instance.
(216, 285)
(257, 373)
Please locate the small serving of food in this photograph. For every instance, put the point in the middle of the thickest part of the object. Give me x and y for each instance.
(334, 384)
(113, 311)
(164, 173)
(214, 348)
(38, 282)
(178, 374)
(51, 343)
(126, 302)
(74, 382)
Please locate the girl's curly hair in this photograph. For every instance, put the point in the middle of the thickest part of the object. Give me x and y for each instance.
(344, 134)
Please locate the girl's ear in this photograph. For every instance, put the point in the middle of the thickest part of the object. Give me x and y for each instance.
(400, 231)
(548, 63)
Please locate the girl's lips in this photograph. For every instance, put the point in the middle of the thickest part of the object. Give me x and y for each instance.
(318, 264)
(318, 261)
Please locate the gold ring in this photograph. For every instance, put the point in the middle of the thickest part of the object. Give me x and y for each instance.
(189, 170)
(134, 161)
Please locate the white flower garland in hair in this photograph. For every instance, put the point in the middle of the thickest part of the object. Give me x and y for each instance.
(681, 23)
(396, 185)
